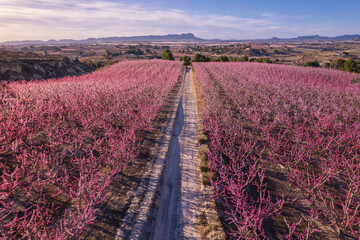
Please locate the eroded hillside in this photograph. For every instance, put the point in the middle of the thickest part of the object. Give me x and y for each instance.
(26, 66)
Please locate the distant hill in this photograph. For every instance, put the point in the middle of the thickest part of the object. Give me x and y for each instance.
(307, 39)
(185, 37)
(321, 38)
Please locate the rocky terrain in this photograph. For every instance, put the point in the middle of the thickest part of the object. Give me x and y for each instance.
(27, 66)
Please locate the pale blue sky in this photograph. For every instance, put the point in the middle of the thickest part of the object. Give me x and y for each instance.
(225, 19)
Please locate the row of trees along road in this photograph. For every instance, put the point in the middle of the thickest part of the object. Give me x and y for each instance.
(167, 55)
(349, 65)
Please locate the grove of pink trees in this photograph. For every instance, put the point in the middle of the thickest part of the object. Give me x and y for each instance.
(63, 140)
(304, 120)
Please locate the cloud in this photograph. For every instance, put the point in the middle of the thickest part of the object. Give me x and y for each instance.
(59, 19)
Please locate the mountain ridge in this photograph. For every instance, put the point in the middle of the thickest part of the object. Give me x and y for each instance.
(184, 37)
(346, 37)
(187, 37)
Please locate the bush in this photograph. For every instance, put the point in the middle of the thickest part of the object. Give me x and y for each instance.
(91, 64)
(201, 58)
(223, 58)
(244, 58)
(167, 55)
(136, 51)
(107, 54)
(263, 60)
(239, 59)
(95, 65)
(351, 66)
(338, 64)
(260, 60)
(312, 64)
(186, 59)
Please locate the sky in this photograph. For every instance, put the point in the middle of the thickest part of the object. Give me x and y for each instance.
(210, 19)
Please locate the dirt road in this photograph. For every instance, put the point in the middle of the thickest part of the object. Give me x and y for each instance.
(170, 202)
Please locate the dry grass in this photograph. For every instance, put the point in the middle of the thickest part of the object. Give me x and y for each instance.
(203, 139)
(204, 227)
(206, 174)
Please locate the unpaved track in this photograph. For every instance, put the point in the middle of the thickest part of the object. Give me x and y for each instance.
(181, 193)
(170, 201)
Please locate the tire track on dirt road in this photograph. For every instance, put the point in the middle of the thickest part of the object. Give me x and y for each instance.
(173, 203)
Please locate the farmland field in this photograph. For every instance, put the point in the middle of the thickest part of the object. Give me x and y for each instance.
(62, 141)
(151, 149)
(284, 148)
